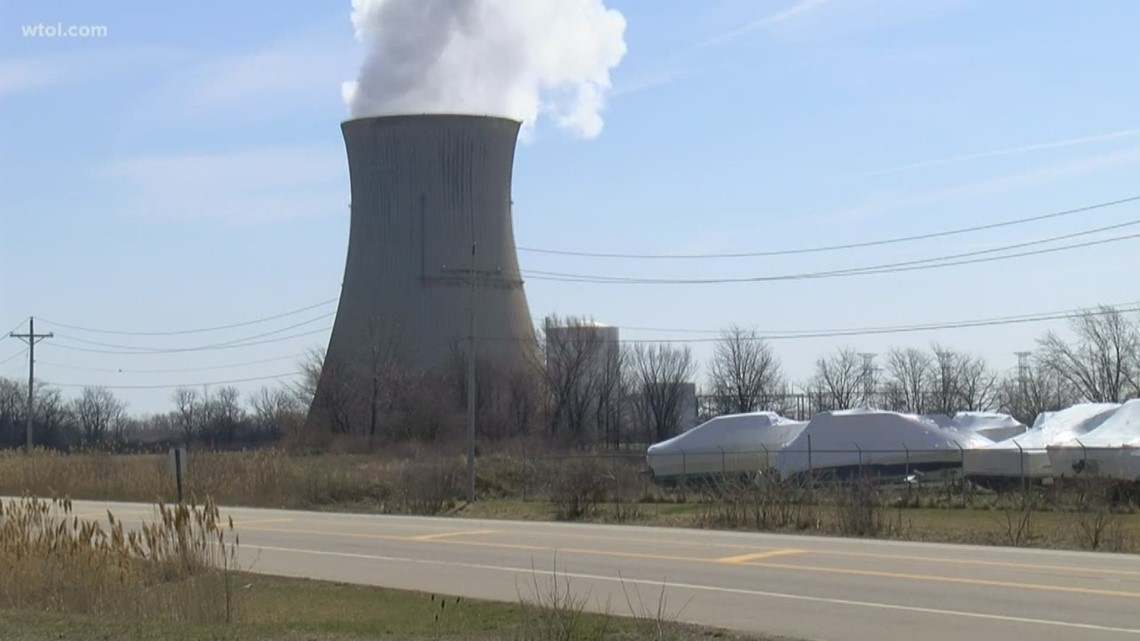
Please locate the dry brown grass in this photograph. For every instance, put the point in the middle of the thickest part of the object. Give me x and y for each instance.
(411, 480)
(263, 478)
(178, 568)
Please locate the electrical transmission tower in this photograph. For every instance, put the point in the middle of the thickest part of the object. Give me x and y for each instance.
(31, 338)
(1021, 358)
(868, 378)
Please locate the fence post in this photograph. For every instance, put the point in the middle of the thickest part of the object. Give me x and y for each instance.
(723, 464)
(524, 492)
(811, 473)
(906, 469)
(860, 450)
(617, 485)
(767, 463)
(962, 474)
(684, 471)
(1084, 454)
(1021, 468)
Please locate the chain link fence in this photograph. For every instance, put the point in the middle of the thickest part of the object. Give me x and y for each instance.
(621, 477)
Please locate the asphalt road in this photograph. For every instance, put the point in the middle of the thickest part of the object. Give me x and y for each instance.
(802, 587)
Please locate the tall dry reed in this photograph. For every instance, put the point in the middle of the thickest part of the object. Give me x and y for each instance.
(180, 567)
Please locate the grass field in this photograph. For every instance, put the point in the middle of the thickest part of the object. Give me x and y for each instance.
(298, 610)
(1043, 529)
(611, 490)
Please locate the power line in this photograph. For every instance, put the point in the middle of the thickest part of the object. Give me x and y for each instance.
(830, 248)
(8, 334)
(12, 370)
(899, 329)
(162, 350)
(13, 357)
(888, 268)
(199, 330)
(181, 370)
(196, 349)
(774, 333)
(207, 384)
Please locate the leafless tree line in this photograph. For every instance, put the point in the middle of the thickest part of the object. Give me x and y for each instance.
(580, 388)
(1099, 363)
(94, 418)
(585, 389)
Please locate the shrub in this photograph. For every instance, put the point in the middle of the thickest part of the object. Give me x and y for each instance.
(578, 488)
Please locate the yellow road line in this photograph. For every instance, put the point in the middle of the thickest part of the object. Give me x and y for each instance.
(706, 560)
(447, 535)
(238, 524)
(103, 515)
(933, 578)
(758, 556)
(554, 533)
(996, 564)
(488, 544)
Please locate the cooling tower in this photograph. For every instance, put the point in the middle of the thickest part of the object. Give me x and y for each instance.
(423, 188)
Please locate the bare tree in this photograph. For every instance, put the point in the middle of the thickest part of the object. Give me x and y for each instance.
(576, 356)
(1103, 362)
(55, 422)
(908, 378)
(612, 395)
(188, 413)
(523, 402)
(305, 389)
(274, 410)
(838, 380)
(99, 414)
(745, 372)
(326, 388)
(977, 384)
(13, 404)
(1037, 389)
(383, 372)
(944, 380)
(222, 415)
(661, 376)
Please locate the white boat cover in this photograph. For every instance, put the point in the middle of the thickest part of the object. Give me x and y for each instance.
(732, 443)
(1031, 459)
(992, 425)
(1111, 449)
(848, 438)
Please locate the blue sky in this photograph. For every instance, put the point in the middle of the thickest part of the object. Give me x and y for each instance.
(187, 170)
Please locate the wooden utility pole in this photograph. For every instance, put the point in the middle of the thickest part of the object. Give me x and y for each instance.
(31, 338)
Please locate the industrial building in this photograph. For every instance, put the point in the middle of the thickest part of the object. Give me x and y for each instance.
(431, 248)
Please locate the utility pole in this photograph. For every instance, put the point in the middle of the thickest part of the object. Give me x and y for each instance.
(31, 338)
(471, 373)
(472, 276)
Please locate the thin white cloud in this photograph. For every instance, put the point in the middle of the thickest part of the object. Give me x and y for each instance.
(648, 81)
(990, 187)
(799, 8)
(1009, 151)
(25, 75)
(53, 71)
(284, 76)
(245, 187)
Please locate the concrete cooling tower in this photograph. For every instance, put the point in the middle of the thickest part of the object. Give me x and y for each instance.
(423, 188)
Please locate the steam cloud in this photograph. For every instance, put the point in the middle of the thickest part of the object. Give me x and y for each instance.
(513, 58)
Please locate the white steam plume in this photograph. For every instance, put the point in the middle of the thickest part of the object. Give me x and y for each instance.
(513, 58)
